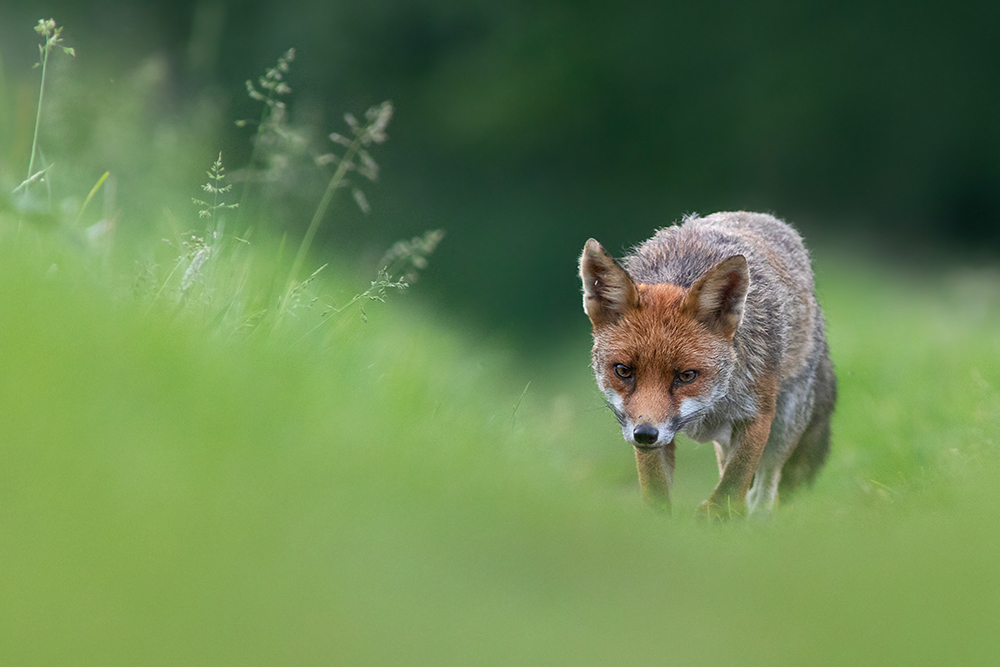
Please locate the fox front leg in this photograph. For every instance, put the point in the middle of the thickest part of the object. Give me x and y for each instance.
(736, 473)
(656, 474)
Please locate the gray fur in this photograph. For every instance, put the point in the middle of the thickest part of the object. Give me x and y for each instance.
(782, 333)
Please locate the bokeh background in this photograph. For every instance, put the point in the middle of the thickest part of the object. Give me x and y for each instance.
(523, 128)
(205, 462)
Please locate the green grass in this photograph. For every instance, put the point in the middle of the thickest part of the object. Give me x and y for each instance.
(195, 469)
(366, 494)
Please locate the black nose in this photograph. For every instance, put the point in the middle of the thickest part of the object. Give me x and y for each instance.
(645, 434)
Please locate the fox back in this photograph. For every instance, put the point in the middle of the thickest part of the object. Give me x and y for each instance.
(712, 328)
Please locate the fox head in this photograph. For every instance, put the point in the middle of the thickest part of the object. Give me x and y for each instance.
(663, 354)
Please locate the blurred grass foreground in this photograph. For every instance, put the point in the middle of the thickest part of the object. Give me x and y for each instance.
(167, 497)
(188, 477)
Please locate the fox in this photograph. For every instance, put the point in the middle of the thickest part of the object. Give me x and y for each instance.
(711, 328)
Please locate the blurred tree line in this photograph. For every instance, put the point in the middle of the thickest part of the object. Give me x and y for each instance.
(523, 128)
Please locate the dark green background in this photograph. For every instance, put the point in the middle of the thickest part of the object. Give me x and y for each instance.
(523, 128)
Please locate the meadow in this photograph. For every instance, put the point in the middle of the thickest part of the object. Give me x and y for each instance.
(243, 469)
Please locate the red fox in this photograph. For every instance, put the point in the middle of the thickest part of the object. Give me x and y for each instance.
(712, 329)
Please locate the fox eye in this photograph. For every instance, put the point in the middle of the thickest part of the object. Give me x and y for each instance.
(687, 377)
(623, 372)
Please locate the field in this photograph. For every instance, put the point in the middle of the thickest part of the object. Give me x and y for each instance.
(368, 493)
(203, 462)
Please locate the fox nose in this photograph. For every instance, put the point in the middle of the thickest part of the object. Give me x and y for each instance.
(645, 434)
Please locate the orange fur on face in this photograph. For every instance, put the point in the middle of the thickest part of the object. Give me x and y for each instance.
(711, 329)
(658, 340)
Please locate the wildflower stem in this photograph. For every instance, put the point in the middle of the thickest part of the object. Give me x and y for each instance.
(215, 193)
(324, 203)
(38, 115)
(253, 156)
(275, 86)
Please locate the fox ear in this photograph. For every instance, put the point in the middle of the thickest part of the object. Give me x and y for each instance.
(608, 292)
(718, 298)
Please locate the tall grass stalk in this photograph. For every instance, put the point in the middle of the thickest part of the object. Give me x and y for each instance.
(271, 115)
(324, 203)
(372, 132)
(90, 196)
(52, 34)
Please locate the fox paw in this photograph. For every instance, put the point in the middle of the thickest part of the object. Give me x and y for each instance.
(708, 511)
(712, 510)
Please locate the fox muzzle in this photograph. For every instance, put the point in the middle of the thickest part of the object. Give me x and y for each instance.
(647, 436)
